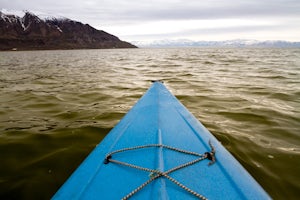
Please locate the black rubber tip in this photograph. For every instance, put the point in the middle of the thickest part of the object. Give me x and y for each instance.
(106, 160)
(160, 81)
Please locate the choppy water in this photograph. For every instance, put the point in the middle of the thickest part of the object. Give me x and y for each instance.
(55, 106)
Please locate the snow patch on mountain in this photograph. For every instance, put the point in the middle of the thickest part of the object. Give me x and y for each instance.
(9, 18)
(12, 12)
(50, 17)
(40, 15)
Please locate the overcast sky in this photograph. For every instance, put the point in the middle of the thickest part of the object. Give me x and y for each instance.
(147, 20)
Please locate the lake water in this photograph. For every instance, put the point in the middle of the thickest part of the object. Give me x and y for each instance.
(56, 106)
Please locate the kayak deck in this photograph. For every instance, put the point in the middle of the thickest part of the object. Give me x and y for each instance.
(156, 135)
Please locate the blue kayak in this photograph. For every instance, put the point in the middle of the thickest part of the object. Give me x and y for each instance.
(159, 150)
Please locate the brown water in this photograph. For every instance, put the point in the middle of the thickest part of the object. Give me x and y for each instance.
(55, 106)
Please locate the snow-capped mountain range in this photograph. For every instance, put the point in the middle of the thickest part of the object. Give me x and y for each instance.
(226, 43)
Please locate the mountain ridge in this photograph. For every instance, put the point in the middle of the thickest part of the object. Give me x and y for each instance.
(222, 43)
(30, 32)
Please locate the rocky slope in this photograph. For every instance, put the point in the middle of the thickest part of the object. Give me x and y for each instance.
(31, 32)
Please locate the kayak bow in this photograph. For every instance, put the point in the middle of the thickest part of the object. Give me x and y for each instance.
(159, 150)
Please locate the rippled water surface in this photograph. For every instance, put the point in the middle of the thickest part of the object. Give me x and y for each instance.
(55, 106)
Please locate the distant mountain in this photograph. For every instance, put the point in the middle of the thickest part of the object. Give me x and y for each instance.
(227, 43)
(32, 32)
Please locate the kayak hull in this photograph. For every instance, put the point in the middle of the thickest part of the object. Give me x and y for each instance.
(159, 118)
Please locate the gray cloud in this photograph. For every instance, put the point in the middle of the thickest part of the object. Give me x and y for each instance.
(211, 31)
(190, 11)
(213, 12)
(129, 12)
(159, 10)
